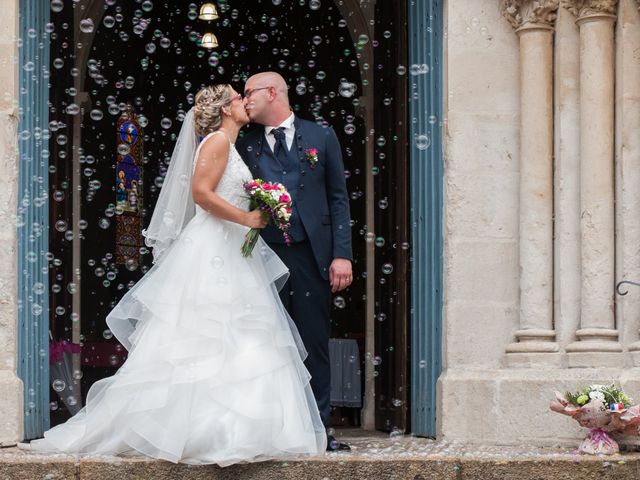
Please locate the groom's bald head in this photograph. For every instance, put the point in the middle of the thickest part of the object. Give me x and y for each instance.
(267, 98)
(272, 79)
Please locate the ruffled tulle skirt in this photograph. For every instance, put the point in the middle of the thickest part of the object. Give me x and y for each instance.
(215, 370)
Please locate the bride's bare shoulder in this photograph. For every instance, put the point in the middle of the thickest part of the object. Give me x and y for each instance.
(215, 144)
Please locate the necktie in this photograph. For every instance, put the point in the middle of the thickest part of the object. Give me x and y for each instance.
(280, 148)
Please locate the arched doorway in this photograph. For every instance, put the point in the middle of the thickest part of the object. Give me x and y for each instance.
(145, 54)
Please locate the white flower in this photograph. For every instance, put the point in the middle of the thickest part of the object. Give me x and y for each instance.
(282, 213)
(595, 395)
(596, 387)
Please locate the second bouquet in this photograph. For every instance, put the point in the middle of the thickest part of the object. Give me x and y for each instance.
(274, 201)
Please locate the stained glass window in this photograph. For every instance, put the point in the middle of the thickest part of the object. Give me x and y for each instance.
(129, 196)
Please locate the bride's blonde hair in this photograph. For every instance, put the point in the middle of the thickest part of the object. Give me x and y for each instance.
(207, 112)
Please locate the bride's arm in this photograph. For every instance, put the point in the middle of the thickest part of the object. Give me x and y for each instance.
(210, 167)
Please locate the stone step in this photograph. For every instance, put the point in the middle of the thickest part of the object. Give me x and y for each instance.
(372, 457)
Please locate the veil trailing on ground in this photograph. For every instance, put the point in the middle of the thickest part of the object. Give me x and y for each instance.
(175, 206)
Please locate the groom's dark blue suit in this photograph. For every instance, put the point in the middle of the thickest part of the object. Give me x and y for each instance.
(321, 231)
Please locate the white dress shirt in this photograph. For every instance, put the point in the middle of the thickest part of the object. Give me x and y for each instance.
(289, 132)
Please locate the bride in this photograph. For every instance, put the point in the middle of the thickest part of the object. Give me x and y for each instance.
(215, 370)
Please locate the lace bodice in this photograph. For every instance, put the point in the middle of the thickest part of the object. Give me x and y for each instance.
(230, 185)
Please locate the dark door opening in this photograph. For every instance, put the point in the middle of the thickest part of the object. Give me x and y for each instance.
(144, 60)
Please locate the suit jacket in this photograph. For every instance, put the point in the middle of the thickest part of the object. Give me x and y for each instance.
(321, 198)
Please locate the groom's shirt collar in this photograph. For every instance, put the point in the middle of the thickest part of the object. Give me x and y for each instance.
(289, 131)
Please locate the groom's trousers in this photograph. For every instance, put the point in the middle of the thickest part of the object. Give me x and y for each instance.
(307, 298)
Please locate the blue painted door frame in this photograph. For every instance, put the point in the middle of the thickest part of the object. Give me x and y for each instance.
(33, 215)
(425, 35)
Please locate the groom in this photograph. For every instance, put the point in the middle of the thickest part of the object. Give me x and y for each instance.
(307, 159)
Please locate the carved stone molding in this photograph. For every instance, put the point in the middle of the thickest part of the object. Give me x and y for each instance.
(583, 8)
(522, 12)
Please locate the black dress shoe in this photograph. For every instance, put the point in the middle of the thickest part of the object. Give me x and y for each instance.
(334, 445)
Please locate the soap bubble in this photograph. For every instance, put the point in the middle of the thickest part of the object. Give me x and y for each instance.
(73, 109)
(347, 89)
(168, 218)
(217, 262)
(96, 114)
(86, 25)
(423, 142)
(419, 69)
(57, 6)
(58, 385)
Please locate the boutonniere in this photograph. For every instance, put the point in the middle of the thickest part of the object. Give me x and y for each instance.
(311, 154)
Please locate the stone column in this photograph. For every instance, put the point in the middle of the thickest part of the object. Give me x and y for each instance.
(597, 343)
(11, 425)
(628, 171)
(566, 228)
(533, 21)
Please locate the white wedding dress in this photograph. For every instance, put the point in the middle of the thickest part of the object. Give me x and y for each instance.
(215, 370)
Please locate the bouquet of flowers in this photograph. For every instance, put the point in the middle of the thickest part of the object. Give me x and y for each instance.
(613, 398)
(275, 203)
(604, 409)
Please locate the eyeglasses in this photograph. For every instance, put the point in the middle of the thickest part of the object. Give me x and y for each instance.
(248, 93)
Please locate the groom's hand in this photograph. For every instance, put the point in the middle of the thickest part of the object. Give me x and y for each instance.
(340, 274)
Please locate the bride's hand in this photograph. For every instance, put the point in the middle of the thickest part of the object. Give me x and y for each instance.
(255, 219)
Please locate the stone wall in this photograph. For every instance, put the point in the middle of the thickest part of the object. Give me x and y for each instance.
(543, 120)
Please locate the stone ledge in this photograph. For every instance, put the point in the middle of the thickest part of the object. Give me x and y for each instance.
(373, 457)
(510, 406)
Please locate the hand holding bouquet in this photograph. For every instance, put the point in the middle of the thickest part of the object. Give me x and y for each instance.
(273, 200)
